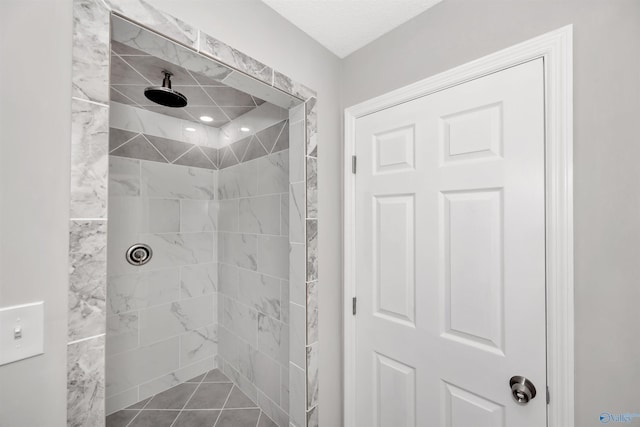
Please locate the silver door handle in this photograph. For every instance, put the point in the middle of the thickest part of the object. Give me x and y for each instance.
(522, 389)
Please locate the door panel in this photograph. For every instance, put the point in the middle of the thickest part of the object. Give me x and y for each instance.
(450, 255)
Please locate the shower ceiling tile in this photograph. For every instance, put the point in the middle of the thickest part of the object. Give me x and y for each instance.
(123, 49)
(179, 113)
(235, 112)
(122, 73)
(152, 68)
(195, 95)
(229, 97)
(218, 116)
(135, 94)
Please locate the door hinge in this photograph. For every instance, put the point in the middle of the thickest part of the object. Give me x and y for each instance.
(353, 305)
(548, 395)
(353, 164)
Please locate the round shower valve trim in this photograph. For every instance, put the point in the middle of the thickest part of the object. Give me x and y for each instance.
(139, 254)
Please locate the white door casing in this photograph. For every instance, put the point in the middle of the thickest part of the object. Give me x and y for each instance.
(476, 199)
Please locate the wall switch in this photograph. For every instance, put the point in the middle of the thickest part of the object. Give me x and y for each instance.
(21, 332)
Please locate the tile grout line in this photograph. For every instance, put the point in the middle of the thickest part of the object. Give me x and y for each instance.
(190, 397)
(224, 404)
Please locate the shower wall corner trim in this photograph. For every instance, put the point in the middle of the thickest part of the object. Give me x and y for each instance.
(88, 203)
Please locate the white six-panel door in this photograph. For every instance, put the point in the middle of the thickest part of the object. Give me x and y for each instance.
(450, 256)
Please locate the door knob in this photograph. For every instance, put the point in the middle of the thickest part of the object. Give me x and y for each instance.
(522, 389)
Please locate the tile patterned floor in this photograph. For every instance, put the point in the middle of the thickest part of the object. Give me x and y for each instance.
(209, 400)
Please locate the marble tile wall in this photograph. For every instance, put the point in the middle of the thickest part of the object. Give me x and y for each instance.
(253, 228)
(88, 214)
(134, 134)
(162, 322)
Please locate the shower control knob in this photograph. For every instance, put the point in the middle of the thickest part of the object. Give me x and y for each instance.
(139, 254)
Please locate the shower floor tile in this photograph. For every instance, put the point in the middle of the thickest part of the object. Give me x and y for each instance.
(210, 400)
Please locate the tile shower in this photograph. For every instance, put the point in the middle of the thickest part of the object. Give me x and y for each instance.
(216, 292)
(119, 312)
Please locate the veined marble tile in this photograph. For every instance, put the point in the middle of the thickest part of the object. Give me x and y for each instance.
(196, 215)
(273, 339)
(284, 214)
(296, 152)
(312, 417)
(267, 375)
(167, 320)
(176, 377)
(297, 335)
(239, 180)
(128, 369)
(160, 216)
(312, 250)
(238, 249)
(242, 382)
(228, 279)
(198, 280)
(272, 410)
(90, 51)
(87, 278)
(273, 256)
(198, 344)
(122, 333)
(228, 345)
(284, 388)
(312, 375)
(176, 182)
(136, 119)
(241, 320)
(284, 301)
(124, 177)
(312, 127)
(297, 113)
(85, 383)
(89, 160)
(165, 24)
(273, 173)
(228, 215)
(296, 89)
(312, 312)
(297, 213)
(228, 55)
(269, 136)
(136, 37)
(297, 396)
(297, 275)
(260, 215)
(312, 188)
(259, 89)
(135, 291)
(177, 249)
(260, 292)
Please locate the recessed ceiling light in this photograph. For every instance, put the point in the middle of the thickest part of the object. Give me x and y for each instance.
(206, 118)
(190, 129)
(245, 129)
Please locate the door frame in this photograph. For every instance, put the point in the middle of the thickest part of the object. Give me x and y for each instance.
(556, 48)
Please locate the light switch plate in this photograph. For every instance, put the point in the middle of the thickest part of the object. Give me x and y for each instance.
(21, 332)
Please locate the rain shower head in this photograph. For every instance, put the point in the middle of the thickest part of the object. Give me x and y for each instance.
(164, 95)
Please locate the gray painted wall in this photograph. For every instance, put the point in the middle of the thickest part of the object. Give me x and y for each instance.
(34, 198)
(607, 198)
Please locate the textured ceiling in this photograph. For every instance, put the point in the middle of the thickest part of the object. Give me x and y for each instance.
(132, 71)
(344, 26)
